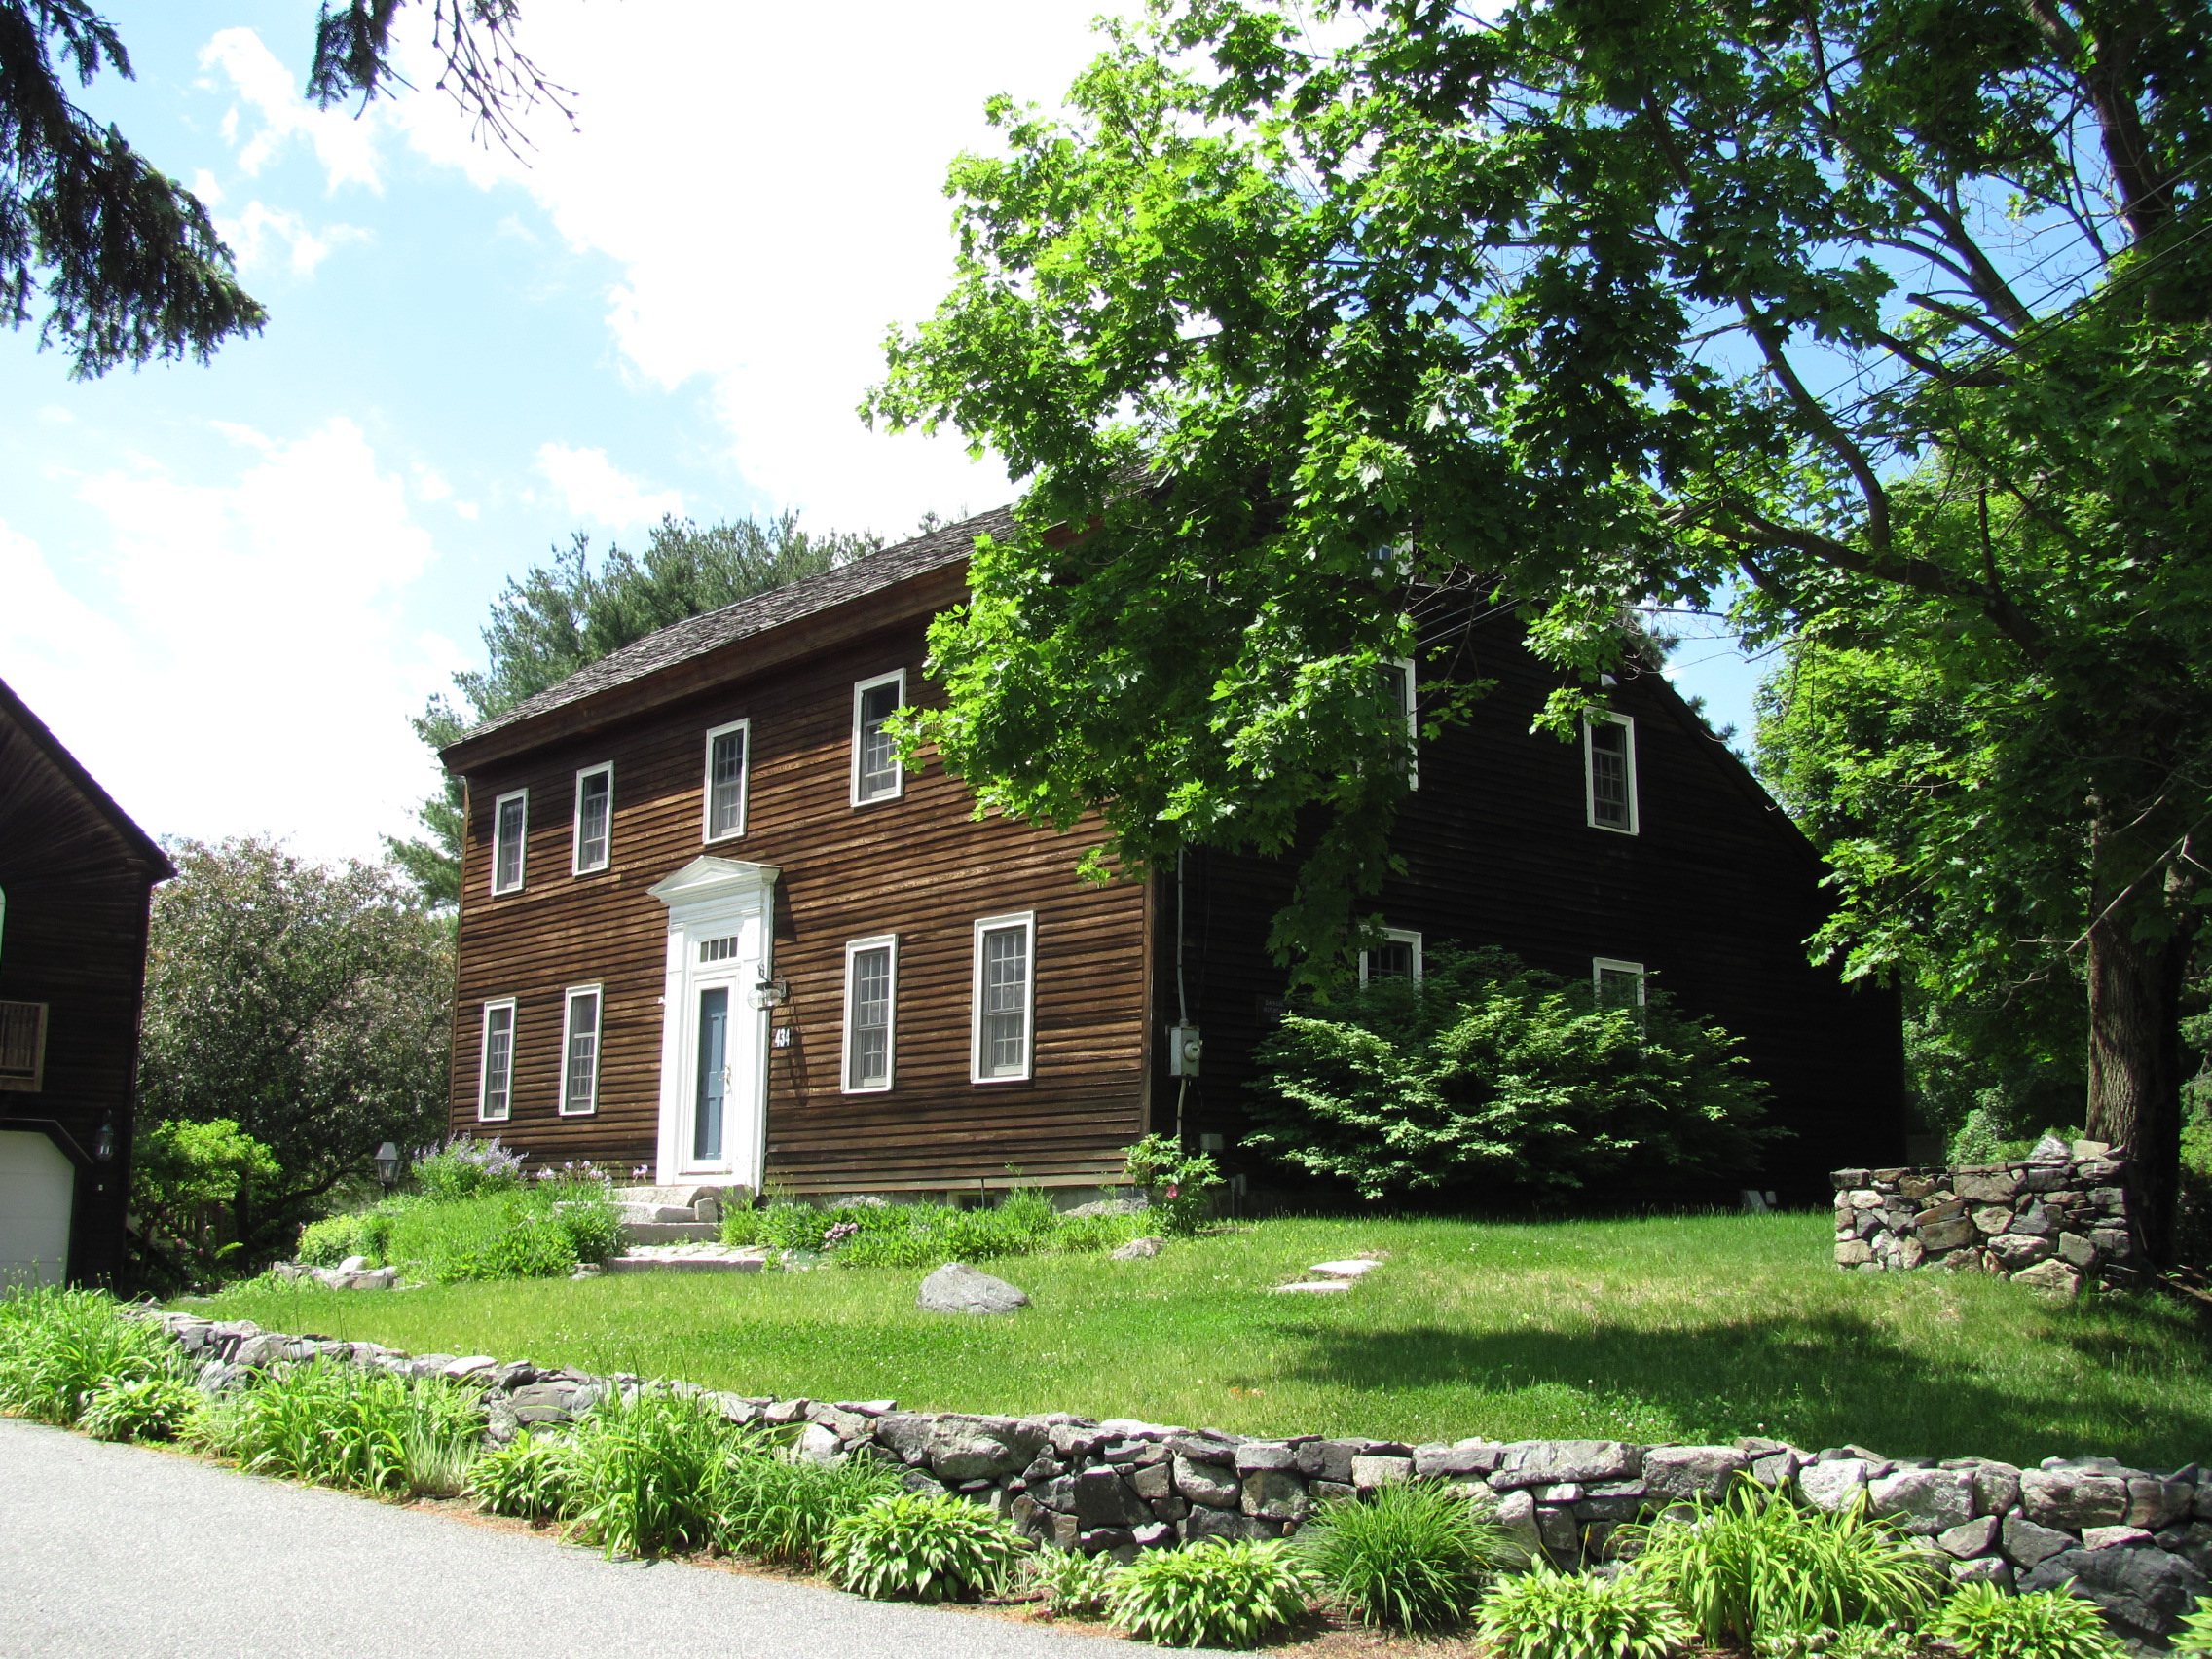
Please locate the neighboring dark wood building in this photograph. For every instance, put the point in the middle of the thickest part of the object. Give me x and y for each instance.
(709, 926)
(76, 876)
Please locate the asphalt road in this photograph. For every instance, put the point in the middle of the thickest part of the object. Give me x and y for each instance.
(121, 1552)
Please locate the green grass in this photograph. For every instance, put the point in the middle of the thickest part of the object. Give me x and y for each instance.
(1694, 1329)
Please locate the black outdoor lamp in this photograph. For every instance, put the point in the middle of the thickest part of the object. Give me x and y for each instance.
(103, 1143)
(387, 1164)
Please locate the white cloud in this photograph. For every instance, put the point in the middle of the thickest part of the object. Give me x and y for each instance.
(773, 224)
(593, 487)
(230, 657)
(255, 236)
(345, 144)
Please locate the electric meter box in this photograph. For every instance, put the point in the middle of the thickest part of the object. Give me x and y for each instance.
(1184, 1049)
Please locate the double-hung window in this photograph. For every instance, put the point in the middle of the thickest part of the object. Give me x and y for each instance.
(495, 1063)
(727, 754)
(1397, 957)
(595, 818)
(877, 774)
(579, 1052)
(1608, 763)
(510, 827)
(1004, 998)
(1398, 691)
(22, 1045)
(871, 978)
(1618, 984)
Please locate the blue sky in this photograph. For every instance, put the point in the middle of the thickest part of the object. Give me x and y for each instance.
(228, 587)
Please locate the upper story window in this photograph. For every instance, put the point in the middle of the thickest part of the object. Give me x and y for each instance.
(1618, 984)
(877, 774)
(1399, 689)
(496, 1066)
(595, 818)
(728, 752)
(579, 1052)
(1397, 957)
(1609, 765)
(22, 1045)
(510, 826)
(872, 971)
(1004, 998)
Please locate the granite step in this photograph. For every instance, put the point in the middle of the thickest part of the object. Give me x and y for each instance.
(631, 1263)
(670, 1231)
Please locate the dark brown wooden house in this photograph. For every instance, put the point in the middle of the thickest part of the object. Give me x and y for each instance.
(74, 880)
(711, 929)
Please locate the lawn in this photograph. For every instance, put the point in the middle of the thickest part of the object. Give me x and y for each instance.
(1692, 1329)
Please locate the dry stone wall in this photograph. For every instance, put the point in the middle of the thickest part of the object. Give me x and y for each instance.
(2137, 1541)
(2059, 1220)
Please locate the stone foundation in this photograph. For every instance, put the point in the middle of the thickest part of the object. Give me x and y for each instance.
(2137, 1541)
(2059, 1220)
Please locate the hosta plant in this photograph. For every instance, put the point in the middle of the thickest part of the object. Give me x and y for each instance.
(1984, 1623)
(530, 1477)
(1072, 1585)
(1548, 1614)
(1212, 1594)
(921, 1547)
(144, 1408)
(1411, 1555)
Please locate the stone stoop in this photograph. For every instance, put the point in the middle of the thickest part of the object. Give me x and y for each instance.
(683, 1264)
(670, 1231)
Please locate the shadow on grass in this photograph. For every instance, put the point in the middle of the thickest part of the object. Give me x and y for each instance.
(1820, 1380)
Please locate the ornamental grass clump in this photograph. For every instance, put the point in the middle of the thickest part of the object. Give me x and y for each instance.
(921, 1547)
(782, 1509)
(58, 1348)
(1411, 1557)
(344, 1425)
(1760, 1565)
(1213, 1594)
(1982, 1622)
(645, 1468)
(1548, 1614)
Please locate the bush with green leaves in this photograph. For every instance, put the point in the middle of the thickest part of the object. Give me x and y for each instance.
(644, 1472)
(921, 1547)
(1072, 1585)
(335, 1238)
(1022, 1223)
(1487, 1072)
(1982, 1622)
(532, 1477)
(498, 1233)
(1759, 1563)
(141, 1408)
(349, 1426)
(1411, 1555)
(1853, 1642)
(464, 1167)
(1547, 1614)
(190, 1185)
(783, 1509)
(58, 1348)
(1213, 1594)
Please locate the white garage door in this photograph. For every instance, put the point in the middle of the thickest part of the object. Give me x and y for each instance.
(37, 1185)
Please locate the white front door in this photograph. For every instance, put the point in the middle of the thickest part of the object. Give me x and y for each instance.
(714, 1068)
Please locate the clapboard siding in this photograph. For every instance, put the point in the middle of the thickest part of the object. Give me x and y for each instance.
(918, 867)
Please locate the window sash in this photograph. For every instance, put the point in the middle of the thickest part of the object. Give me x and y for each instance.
(1398, 957)
(1004, 983)
(495, 1070)
(510, 836)
(729, 752)
(870, 990)
(595, 814)
(1399, 690)
(1618, 984)
(877, 773)
(1609, 749)
(579, 1054)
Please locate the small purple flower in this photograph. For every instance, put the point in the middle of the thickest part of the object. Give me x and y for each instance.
(839, 1234)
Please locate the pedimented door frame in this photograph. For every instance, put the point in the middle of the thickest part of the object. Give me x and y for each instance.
(711, 899)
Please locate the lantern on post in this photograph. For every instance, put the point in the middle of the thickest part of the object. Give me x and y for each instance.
(387, 1164)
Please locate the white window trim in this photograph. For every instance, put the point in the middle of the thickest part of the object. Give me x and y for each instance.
(1027, 921)
(568, 996)
(1601, 965)
(576, 864)
(1590, 777)
(1396, 936)
(522, 841)
(744, 784)
(484, 1060)
(845, 1083)
(897, 677)
(1410, 689)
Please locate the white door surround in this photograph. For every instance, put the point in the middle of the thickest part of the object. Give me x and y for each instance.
(714, 1120)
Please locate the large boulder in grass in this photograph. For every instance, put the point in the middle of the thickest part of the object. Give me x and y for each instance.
(957, 1288)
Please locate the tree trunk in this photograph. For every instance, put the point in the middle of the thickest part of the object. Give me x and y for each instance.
(2135, 1062)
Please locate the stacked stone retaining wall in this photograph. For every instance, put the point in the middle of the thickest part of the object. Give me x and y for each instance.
(2060, 1222)
(2137, 1541)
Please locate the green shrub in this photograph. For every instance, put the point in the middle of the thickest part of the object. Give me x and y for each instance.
(144, 1408)
(1413, 1556)
(530, 1478)
(645, 1471)
(1547, 1614)
(1984, 1623)
(327, 1242)
(465, 1167)
(348, 1427)
(1179, 1184)
(922, 1236)
(1490, 1072)
(496, 1234)
(921, 1547)
(1212, 1594)
(58, 1347)
(1072, 1585)
(1760, 1565)
(593, 1224)
(779, 1509)
(183, 1177)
